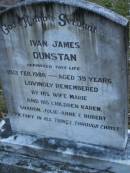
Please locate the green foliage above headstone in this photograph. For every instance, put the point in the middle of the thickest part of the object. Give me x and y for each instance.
(119, 6)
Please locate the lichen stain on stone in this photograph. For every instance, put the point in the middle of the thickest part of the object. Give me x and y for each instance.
(78, 14)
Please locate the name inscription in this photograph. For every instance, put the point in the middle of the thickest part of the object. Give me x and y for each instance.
(57, 70)
(74, 102)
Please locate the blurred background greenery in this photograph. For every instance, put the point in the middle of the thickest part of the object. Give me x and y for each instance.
(120, 6)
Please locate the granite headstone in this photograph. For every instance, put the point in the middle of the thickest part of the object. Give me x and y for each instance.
(63, 67)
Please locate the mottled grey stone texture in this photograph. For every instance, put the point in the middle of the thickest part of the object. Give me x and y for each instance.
(82, 4)
(98, 50)
(30, 154)
(56, 148)
(34, 155)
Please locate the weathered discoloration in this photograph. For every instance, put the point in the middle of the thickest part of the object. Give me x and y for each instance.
(82, 4)
(99, 54)
(32, 154)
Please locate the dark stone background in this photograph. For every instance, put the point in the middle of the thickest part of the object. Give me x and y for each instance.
(7, 2)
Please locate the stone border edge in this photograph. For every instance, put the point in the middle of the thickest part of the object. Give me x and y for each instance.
(97, 9)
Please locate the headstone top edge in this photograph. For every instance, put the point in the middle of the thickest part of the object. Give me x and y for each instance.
(97, 9)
